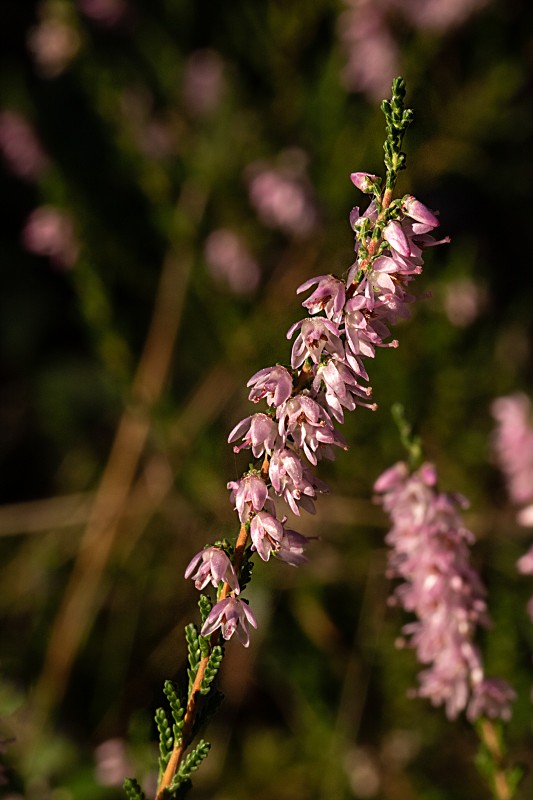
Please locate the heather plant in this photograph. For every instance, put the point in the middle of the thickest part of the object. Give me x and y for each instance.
(348, 319)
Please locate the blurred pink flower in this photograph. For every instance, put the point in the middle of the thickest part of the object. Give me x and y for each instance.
(153, 135)
(463, 301)
(50, 232)
(203, 81)
(111, 763)
(229, 261)
(282, 195)
(105, 12)
(54, 43)
(19, 146)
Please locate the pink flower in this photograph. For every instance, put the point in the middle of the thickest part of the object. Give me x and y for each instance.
(397, 239)
(249, 494)
(293, 481)
(329, 296)
(419, 212)
(270, 536)
(259, 432)
(212, 565)
(316, 336)
(266, 533)
(364, 334)
(309, 426)
(231, 615)
(291, 548)
(364, 181)
(272, 383)
(341, 388)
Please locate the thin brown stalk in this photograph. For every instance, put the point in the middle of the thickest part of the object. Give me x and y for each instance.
(80, 600)
(177, 754)
(190, 713)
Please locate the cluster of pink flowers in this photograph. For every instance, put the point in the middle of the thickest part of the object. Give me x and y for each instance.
(430, 554)
(348, 319)
(513, 448)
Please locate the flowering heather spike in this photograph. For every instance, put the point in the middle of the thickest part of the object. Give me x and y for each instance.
(348, 319)
(429, 553)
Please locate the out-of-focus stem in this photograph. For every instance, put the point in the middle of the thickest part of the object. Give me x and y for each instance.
(489, 736)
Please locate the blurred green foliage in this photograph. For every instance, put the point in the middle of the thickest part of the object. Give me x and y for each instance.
(147, 165)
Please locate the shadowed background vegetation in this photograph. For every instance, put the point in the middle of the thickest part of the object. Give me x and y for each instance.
(147, 274)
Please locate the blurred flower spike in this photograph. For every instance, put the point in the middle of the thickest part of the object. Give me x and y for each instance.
(429, 553)
(20, 147)
(367, 33)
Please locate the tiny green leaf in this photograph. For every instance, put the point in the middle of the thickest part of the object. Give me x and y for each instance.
(132, 790)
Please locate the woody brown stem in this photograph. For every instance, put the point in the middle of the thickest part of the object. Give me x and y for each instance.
(177, 754)
(188, 720)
